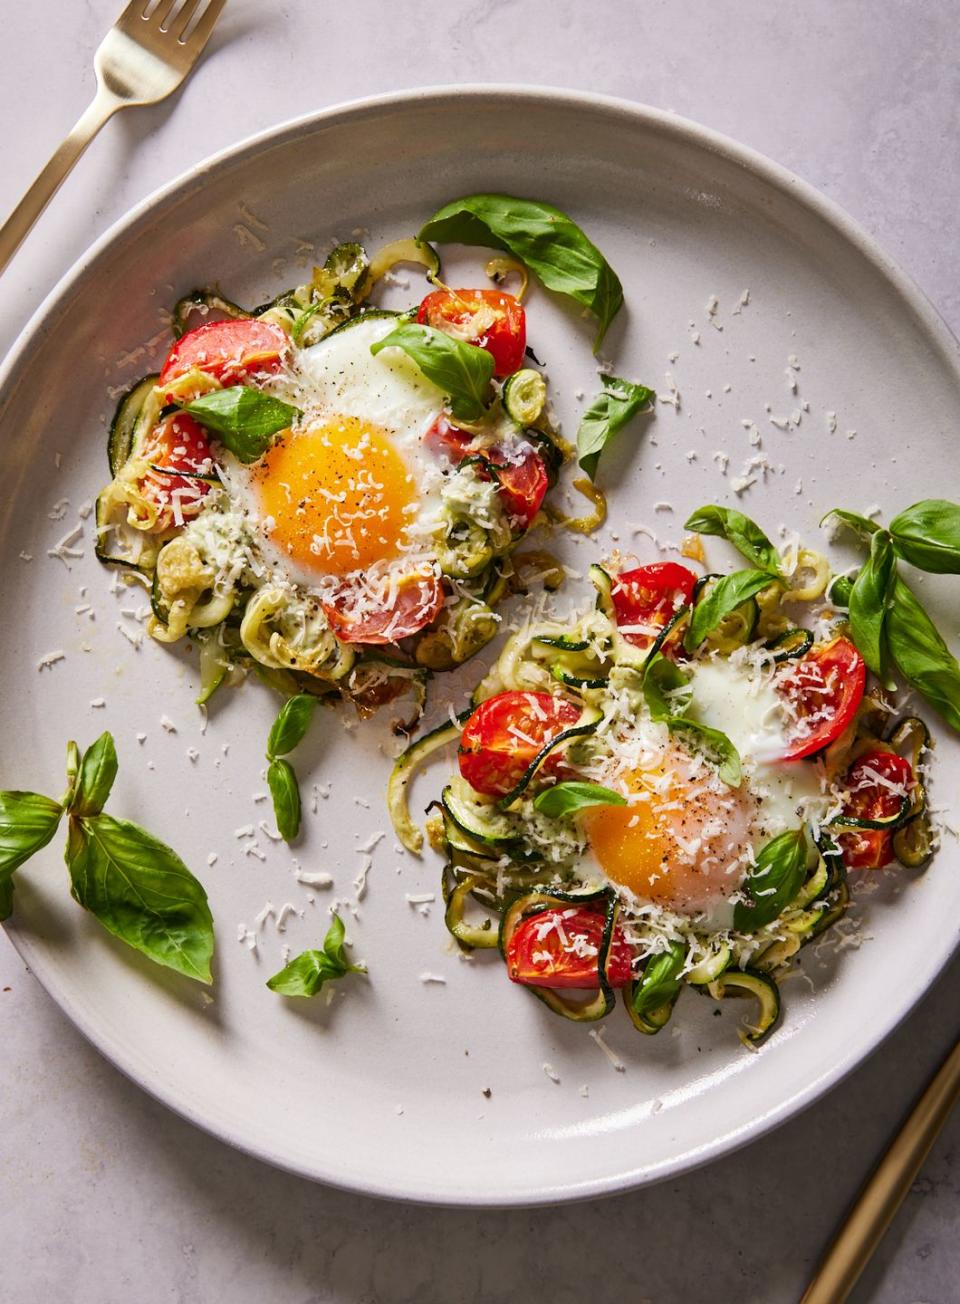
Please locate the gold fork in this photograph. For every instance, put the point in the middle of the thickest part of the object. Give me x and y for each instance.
(142, 59)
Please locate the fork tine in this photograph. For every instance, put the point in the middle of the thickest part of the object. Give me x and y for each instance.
(183, 18)
(162, 13)
(204, 29)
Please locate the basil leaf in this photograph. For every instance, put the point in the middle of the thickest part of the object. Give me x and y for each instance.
(869, 601)
(285, 791)
(928, 536)
(543, 237)
(860, 525)
(773, 881)
(840, 590)
(745, 535)
(663, 681)
(921, 655)
(98, 769)
(616, 404)
(306, 973)
(142, 892)
(717, 746)
(291, 725)
(462, 371)
(661, 979)
(243, 418)
(565, 799)
(720, 599)
(27, 823)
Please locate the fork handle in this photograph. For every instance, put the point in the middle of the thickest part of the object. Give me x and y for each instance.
(884, 1192)
(15, 228)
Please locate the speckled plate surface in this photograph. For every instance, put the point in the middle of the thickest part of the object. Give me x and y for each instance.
(437, 1091)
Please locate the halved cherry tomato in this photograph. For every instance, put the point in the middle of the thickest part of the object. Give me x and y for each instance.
(870, 799)
(523, 484)
(646, 598)
(488, 318)
(561, 948)
(418, 600)
(505, 733)
(444, 439)
(182, 445)
(822, 691)
(230, 351)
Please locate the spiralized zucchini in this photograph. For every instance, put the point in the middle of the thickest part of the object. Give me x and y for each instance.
(284, 632)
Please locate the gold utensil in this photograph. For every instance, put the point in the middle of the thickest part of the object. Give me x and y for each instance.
(142, 59)
(884, 1192)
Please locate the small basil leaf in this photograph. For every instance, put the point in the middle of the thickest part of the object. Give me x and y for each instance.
(285, 792)
(565, 799)
(98, 769)
(243, 418)
(719, 600)
(840, 589)
(462, 371)
(616, 404)
(928, 536)
(774, 881)
(715, 744)
(860, 525)
(921, 655)
(870, 599)
(663, 685)
(745, 535)
(661, 979)
(291, 725)
(27, 823)
(306, 973)
(73, 772)
(142, 892)
(543, 237)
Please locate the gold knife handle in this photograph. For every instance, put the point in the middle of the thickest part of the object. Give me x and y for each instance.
(15, 228)
(884, 1192)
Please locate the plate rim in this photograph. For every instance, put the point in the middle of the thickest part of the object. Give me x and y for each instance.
(670, 125)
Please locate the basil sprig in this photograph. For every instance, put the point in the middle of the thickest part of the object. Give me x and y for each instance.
(288, 731)
(773, 881)
(720, 599)
(552, 246)
(616, 404)
(727, 593)
(307, 972)
(462, 371)
(573, 796)
(244, 419)
(661, 980)
(133, 884)
(745, 535)
(665, 690)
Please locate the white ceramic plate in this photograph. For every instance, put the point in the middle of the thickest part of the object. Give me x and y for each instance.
(382, 1091)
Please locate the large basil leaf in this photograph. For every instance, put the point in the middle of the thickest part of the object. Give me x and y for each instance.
(719, 600)
(661, 979)
(27, 823)
(745, 535)
(98, 769)
(860, 525)
(543, 237)
(928, 535)
(774, 881)
(285, 791)
(244, 419)
(870, 599)
(462, 371)
(921, 655)
(291, 725)
(306, 973)
(616, 404)
(142, 892)
(566, 799)
(715, 745)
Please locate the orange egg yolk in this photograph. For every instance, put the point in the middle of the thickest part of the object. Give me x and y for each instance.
(336, 497)
(679, 842)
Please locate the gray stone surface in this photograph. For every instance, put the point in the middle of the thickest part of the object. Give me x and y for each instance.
(107, 1197)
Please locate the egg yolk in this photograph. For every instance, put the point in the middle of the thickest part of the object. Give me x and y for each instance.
(679, 842)
(336, 497)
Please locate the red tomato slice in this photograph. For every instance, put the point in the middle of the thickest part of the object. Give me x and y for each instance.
(230, 351)
(488, 318)
(505, 733)
(646, 598)
(446, 440)
(180, 444)
(822, 692)
(523, 486)
(561, 947)
(871, 799)
(418, 600)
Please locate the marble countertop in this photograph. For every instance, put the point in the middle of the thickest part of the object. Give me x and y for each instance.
(109, 1198)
